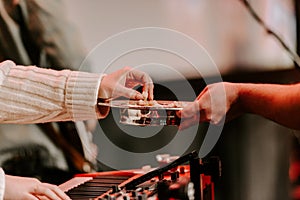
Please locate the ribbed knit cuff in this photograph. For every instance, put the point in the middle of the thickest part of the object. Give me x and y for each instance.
(2, 184)
(81, 95)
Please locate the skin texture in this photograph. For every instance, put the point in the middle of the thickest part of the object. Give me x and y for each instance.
(17, 188)
(272, 101)
(119, 83)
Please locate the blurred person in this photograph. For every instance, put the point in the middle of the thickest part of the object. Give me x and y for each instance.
(37, 32)
(37, 95)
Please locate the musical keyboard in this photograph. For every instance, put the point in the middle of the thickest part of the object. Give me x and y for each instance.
(173, 181)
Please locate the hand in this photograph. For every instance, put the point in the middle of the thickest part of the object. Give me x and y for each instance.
(121, 82)
(17, 188)
(214, 103)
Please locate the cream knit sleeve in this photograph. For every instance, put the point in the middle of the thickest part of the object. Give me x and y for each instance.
(34, 95)
(2, 184)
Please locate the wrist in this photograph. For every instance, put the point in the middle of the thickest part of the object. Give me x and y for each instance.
(103, 95)
(103, 91)
(243, 93)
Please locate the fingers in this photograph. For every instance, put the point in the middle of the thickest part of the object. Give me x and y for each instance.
(148, 91)
(188, 122)
(190, 110)
(30, 197)
(121, 90)
(189, 115)
(42, 198)
(50, 191)
(122, 82)
(144, 79)
(139, 76)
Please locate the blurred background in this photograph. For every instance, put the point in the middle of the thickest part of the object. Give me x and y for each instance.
(255, 152)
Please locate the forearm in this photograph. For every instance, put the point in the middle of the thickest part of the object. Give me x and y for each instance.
(280, 103)
(34, 95)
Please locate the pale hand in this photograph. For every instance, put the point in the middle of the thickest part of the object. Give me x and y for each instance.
(17, 188)
(122, 82)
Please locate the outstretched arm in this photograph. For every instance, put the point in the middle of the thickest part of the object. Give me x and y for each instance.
(36, 95)
(279, 103)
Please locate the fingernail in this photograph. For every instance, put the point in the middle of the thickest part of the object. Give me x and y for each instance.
(145, 95)
(139, 96)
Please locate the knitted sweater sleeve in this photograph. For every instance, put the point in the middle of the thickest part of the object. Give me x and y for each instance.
(35, 95)
(2, 184)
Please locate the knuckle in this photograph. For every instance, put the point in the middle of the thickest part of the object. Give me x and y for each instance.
(127, 68)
